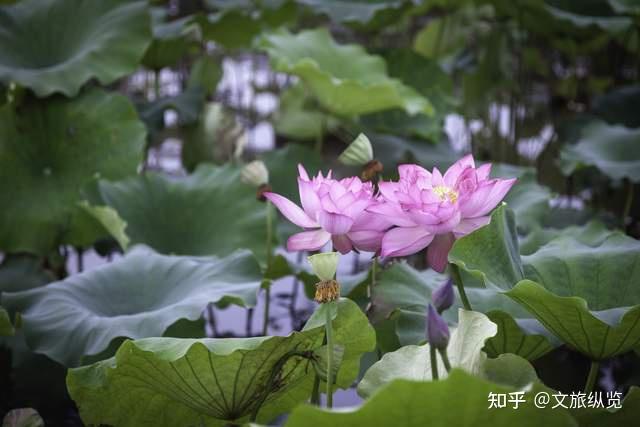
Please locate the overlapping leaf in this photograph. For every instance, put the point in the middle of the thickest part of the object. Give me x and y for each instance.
(58, 45)
(579, 286)
(138, 296)
(49, 152)
(345, 79)
(214, 382)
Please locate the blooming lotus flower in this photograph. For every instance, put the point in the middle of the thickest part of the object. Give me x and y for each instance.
(332, 210)
(431, 209)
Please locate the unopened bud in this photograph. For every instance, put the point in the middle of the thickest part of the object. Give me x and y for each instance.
(255, 174)
(324, 265)
(442, 298)
(358, 153)
(437, 329)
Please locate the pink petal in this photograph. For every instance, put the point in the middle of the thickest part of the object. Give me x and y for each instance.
(452, 174)
(356, 208)
(438, 251)
(302, 172)
(403, 241)
(341, 243)
(370, 221)
(308, 240)
(393, 213)
(387, 189)
(366, 240)
(336, 191)
(334, 223)
(500, 189)
(436, 178)
(470, 206)
(291, 211)
(483, 172)
(308, 197)
(469, 225)
(411, 172)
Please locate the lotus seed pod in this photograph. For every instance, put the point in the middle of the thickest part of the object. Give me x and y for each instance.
(255, 174)
(324, 265)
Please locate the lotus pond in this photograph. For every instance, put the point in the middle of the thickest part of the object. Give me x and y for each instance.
(319, 213)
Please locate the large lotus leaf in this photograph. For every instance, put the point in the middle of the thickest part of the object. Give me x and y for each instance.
(458, 400)
(345, 79)
(58, 45)
(413, 362)
(137, 296)
(588, 13)
(598, 417)
(613, 149)
(579, 286)
(408, 291)
(49, 151)
(212, 382)
(209, 212)
(89, 223)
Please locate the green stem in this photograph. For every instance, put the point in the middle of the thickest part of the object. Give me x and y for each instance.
(372, 283)
(329, 330)
(628, 201)
(593, 376)
(315, 392)
(455, 273)
(445, 359)
(267, 293)
(434, 362)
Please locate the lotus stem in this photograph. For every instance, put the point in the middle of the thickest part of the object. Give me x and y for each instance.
(445, 359)
(455, 273)
(329, 331)
(267, 291)
(592, 377)
(434, 362)
(372, 283)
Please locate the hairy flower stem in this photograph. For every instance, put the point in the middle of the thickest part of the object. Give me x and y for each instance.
(445, 359)
(434, 362)
(372, 284)
(329, 331)
(267, 291)
(455, 275)
(592, 377)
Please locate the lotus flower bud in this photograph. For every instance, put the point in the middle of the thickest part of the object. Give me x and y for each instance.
(324, 265)
(255, 174)
(442, 298)
(437, 329)
(358, 153)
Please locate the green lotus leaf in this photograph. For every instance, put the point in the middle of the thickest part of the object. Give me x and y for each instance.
(89, 223)
(221, 212)
(458, 400)
(345, 79)
(528, 199)
(6, 328)
(171, 39)
(137, 296)
(213, 382)
(579, 286)
(587, 14)
(49, 151)
(612, 149)
(408, 292)
(58, 45)
(299, 117)
(393, 150)
(353, 11)
(413, 362)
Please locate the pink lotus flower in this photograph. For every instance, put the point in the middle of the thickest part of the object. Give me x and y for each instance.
(433, 210)
(335, 210)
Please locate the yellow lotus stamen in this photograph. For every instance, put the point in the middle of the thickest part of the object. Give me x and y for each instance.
(445, 193)
(327, 291)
